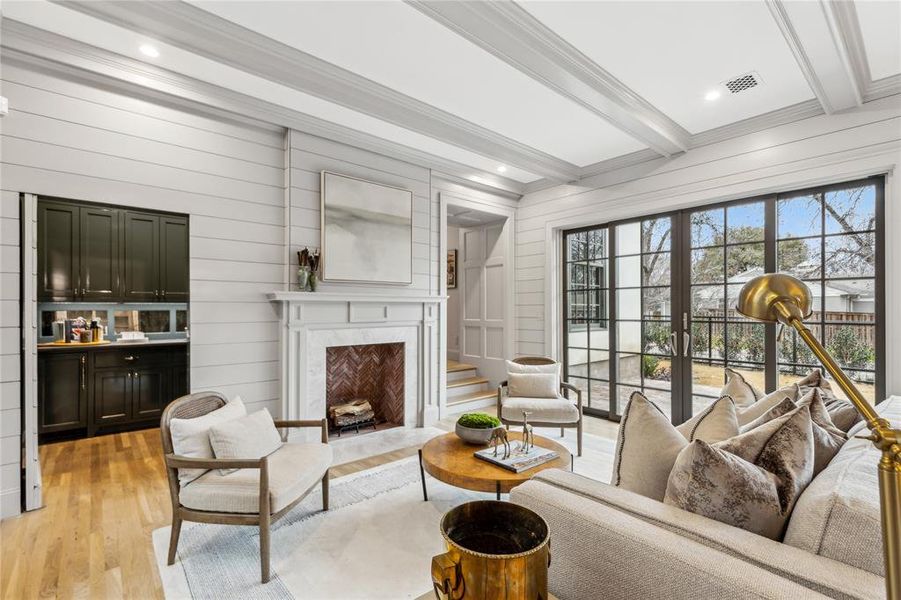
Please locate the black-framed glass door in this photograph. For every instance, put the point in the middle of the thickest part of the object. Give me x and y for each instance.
(649, 302)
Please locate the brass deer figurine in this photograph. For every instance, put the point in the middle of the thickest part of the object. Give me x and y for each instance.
(499, 436)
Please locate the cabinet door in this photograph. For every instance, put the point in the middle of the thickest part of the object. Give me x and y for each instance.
(62, 391)
(179, 381)
(58, 242)
(112, 396)
(140, 256)
(99, 258)
(174, 259)
(149, 393)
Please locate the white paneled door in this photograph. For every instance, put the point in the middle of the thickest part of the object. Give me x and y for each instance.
(483, 278)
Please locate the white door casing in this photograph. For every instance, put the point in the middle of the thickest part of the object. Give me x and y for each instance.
(31, 460)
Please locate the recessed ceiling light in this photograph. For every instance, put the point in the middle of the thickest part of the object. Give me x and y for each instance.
(148, 50)
(502, 169)
(712, 95)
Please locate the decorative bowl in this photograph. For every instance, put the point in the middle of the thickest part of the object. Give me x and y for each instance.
(472, 435)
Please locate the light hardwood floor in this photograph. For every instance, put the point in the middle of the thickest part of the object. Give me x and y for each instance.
(103, 498)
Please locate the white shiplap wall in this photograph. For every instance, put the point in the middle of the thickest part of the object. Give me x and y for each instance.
(67, 139)
(858, 143)
(310, 155)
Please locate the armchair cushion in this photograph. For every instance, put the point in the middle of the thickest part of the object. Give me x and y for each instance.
(253, 436)
(514, 367)
(293, 470)
(544, 410)
(191, 437)
(533, 385)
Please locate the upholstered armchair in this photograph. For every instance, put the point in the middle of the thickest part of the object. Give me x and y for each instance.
(259, 493)
(558, 411)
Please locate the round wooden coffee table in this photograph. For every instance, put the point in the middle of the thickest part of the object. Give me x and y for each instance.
(449, 459)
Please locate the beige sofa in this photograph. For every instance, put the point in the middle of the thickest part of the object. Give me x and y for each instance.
(610, 543)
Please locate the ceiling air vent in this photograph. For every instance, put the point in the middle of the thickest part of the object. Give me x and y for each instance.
(743, 82)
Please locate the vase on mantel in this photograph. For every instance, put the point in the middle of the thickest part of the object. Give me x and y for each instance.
(303, 278)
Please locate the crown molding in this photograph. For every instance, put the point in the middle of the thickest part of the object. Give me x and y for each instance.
(513, 35)
(775, 118)
(49, 52)
(881, 88)
(205, 34)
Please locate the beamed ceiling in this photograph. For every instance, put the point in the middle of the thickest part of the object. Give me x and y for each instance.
(516, 95)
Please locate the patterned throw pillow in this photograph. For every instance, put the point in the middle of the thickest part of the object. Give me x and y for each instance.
(827, 438)
(842, 413)
(648, 443)
(750, 481)
(790, 392)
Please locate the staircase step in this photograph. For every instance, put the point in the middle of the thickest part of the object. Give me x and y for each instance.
(454, 366)
(467, 381)
(481, 395)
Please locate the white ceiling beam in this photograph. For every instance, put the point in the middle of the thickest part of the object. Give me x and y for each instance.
(205, 34)
(37, 48)
(512, 34)
(819, 36)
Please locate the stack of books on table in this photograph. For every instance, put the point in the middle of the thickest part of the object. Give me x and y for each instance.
(518, 461)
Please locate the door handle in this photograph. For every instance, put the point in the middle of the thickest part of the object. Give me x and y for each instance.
(129, 358)
(686, 343)
(672, 344)
(84, 373)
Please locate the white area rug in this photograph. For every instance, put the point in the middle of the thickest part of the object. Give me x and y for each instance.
(376, 541)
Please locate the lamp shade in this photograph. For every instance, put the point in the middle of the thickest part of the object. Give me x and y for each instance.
(773, 297)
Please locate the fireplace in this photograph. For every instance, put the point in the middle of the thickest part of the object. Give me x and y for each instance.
(365, 373)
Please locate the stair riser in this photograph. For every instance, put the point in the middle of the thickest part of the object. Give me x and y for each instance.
(486, 406)
(463, 390)
(465, 374)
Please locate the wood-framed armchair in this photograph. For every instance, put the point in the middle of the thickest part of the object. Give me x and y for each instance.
(545, 412)
(263, 492)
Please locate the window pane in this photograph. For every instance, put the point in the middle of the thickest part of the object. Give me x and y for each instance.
(597, 273)
(706, 380)
(851, 255)
(655, 234)
(628, 336)
(628, 304)
(599, 367)
(853, 209)
(707, 265)
(578, 248)
(628, 271)
(800, 216)
(745, 223)
(744, 261)
(745, 342)
(578, 275)
(628, 239)
(658, 372)
(707, 227)
(577, 305)
(656, 303)
(800, 258)
(851, 300)
(574, 329)
(596, 243)
(852, 346)
(628, 368)
(707, 301)
(577, 362)
(656, 269)
(702, 336)
(600, 334)
(657, 338)
(623, 393)
(793, 350)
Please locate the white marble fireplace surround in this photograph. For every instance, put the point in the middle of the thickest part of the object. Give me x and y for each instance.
(314, 321)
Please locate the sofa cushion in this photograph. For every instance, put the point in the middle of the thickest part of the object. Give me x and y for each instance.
(544, 410)
(739, 389)
(750, 481)
(513, 367)
(533, 385)
(767, 402)
(293, 469)
(253, 436)
(191, 437)
(648, 443)
(838, 515)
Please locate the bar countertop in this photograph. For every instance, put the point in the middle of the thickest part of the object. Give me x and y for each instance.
(50, 347)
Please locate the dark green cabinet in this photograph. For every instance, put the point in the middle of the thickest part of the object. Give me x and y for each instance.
(141, 257)
(93, 252)
(99, 254)
(108, 389)
(58, 247)
(62, 392)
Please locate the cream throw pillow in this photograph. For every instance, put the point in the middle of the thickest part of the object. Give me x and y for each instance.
(751, 481)
(532, 385)
(253, 436)
(648, 443)
(191, 437)
(827, 438)
(791, 393)
(739, 389)
(841, 412)
(513, 367)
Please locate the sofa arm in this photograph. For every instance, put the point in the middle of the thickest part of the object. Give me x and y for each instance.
(668, 552)
(568, 387)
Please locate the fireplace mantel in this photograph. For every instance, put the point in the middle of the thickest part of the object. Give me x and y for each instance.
(314, 321)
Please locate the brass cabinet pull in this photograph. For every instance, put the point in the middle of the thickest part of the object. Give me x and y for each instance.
(129, 358)
(84, 374)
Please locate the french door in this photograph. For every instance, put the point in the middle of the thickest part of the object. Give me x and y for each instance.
(649, 302)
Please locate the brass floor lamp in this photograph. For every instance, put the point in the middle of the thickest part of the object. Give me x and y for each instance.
(780, 298)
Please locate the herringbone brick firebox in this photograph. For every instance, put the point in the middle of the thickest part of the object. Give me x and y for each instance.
(374, 372)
